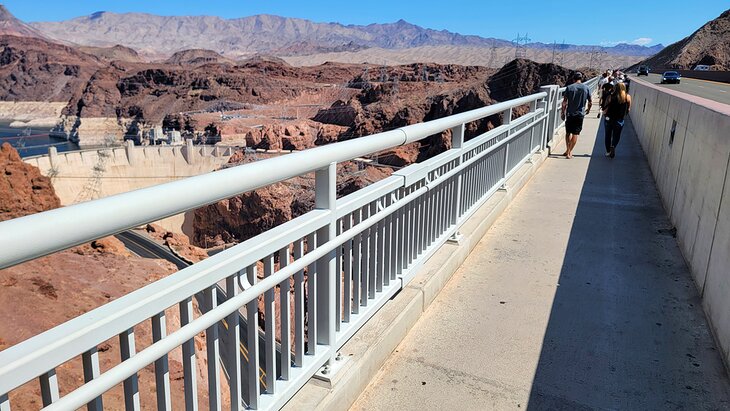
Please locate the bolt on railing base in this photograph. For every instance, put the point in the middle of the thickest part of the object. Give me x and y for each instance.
(329, 373)
(457, 238)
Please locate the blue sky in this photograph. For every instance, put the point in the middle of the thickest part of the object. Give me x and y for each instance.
(576, 22)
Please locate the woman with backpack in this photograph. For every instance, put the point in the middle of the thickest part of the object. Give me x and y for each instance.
(614, 111)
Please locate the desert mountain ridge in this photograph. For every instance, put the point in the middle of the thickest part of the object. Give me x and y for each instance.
(10, 25)
(161, 36)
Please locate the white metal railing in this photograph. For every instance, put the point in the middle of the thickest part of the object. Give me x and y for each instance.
(333, 267)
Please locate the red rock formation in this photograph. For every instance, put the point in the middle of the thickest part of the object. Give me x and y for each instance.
(23, 190)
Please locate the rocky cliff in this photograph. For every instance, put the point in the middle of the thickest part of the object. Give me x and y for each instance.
(23, 190)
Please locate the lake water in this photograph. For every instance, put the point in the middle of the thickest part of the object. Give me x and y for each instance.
(32, 141)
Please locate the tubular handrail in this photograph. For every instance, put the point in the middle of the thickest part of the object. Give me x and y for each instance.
(26, 238)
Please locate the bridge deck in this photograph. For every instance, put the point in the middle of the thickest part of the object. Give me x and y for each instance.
(577, 298)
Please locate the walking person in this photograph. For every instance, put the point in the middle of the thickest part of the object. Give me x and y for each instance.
(573, 110)
(602, 82)
(615, 111)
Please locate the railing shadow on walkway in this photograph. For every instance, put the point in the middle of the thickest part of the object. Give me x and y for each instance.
(626, 329)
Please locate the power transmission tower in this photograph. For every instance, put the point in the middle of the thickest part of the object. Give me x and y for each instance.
(493, 54)
(383, 73)
(555, 44)
(561, 54)
(520, 46)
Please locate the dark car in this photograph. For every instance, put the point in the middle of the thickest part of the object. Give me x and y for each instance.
(642, 71)
(670, 77)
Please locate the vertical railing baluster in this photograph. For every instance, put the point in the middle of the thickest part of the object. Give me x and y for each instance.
(430, 218)
(338, 279)
(356, 264)
(372, 255)
(311, 298)
(347, 275)
(270, 332)
(49, 387)
(285, 318)
(365, 261)
(415, 227)
(408, 250)
(299, 307)
(403, 234)
(190, 367)
(418, 226)
(438, 214)
(381, 256)
(252, 342)
(4, 402)
(387, 250)
(162, 369)
(131, 384)
(394, 245)
(233, 350)
(90, 362)
(212, 340)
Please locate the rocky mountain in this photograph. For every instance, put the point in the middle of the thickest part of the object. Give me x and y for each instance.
(197, 57)
(709, 45)
(33, 69)
(114, 53)
(9, 24)
(233, 38)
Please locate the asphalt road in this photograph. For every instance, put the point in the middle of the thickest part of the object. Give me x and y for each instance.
(708, 89)
(147, 248)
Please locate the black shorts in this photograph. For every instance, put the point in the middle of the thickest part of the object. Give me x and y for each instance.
(574, 124)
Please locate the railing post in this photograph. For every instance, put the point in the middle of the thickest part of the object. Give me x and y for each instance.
(325, 181)
(457, 143)
(507, 117)
(545, 105)
(550, 113)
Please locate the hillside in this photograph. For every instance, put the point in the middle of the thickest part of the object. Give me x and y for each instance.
(158, 36)
(10, 25)
(709, 45)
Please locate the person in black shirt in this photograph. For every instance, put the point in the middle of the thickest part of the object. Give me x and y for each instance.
(573, 110)
(617, 106)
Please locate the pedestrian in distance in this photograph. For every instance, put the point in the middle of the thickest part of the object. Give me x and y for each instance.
(618, 105)
(573, 110)
(602, 82)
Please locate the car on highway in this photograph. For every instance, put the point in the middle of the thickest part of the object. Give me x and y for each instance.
(702, 67)
(670, 77)
(642, 71)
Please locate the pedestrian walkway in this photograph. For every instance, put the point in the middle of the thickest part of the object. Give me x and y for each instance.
(577, 298)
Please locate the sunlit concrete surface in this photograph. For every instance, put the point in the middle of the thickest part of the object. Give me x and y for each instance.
(577, 298)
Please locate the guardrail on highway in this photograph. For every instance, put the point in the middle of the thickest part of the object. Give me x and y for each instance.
(342, 262)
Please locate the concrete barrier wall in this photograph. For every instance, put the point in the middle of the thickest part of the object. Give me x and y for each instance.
(87, 174)
(687, 142)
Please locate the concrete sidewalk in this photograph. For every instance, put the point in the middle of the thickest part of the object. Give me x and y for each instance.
(577, 298)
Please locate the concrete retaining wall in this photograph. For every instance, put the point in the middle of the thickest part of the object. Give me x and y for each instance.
(88, 174)
(687, 142)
